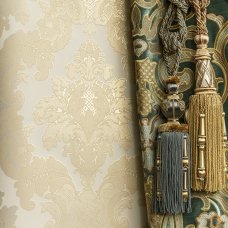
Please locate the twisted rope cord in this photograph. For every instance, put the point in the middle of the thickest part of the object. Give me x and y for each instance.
(173, 40)
(200, 7)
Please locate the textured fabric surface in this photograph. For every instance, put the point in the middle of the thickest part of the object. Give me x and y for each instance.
(69, 145)
(169, 174)
(208, 210)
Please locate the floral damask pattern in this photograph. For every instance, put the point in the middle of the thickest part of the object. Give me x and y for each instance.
(70, 208)
(212, 219)
(80, 114)
(69, 154)
(7, 214)
(12, 7)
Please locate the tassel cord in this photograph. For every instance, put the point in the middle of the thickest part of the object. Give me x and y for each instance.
(173, 41)
(200, 7)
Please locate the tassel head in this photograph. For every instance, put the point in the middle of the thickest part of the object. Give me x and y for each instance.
(172, 107)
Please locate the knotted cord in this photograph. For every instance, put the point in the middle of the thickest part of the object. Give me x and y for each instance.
(173, 39)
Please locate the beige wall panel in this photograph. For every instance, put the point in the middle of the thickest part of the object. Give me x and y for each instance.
(69, 146)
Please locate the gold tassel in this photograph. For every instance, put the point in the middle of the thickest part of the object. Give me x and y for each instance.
(205, 127)
(205, 115)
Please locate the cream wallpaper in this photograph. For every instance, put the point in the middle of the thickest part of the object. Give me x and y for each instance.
(69, 145)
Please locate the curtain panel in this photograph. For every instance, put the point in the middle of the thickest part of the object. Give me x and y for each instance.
(208, 209)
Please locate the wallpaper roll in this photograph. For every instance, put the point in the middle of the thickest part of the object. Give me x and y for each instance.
(150, 73)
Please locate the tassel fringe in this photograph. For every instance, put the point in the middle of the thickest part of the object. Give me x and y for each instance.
(209, 105)
(172, 189)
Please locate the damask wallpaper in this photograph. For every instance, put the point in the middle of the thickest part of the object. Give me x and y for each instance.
(69, 146)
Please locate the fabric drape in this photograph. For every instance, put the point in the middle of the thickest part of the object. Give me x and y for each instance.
(150, 74)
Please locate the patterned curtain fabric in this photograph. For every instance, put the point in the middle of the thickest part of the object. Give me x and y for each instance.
(208, 210)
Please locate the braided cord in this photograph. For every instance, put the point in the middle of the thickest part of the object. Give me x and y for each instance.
(200, 7)
(173, 40)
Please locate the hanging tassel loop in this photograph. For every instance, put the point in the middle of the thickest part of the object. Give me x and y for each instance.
(172, 172)
(172, 159)
(205, 115)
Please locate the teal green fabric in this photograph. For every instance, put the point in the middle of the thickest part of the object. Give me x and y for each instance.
(208, 210)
